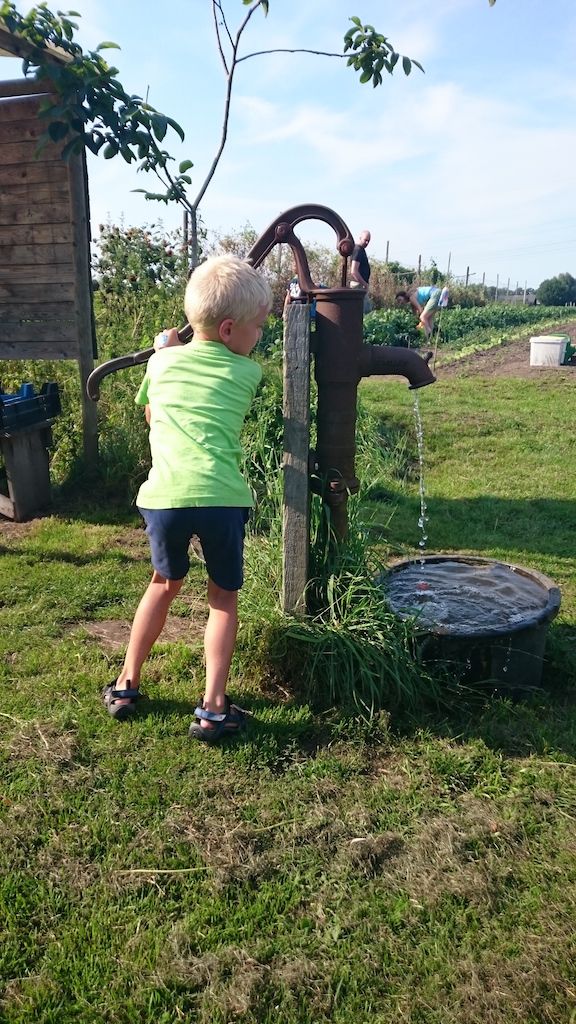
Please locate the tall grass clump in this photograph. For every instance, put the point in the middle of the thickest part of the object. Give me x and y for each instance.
(348, 650)
(262, 449)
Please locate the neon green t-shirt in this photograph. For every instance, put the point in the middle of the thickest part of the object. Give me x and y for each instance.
(198, 395)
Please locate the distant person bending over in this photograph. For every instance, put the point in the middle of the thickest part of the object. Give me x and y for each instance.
(360, 268)
(196, 397)
(425, 301)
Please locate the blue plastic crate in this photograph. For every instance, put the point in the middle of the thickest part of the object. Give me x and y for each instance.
(26, 407)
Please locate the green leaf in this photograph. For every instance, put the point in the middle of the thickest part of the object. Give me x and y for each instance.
(159, 125)
(406, 65)
(107, 46)
(110, 150)
(72, 147)
(174, 124)
(356, 21)
(185, 166)
(57, 130)
(366, 76)
(94, 145)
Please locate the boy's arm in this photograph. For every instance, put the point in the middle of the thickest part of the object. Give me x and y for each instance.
(166, 339)
(147, 414)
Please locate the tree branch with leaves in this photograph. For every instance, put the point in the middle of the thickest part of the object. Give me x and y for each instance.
(88, 105)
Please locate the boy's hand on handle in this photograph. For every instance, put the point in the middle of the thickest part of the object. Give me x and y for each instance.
(166, 339)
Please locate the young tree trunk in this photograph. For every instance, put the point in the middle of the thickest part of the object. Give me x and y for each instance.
(193, 237)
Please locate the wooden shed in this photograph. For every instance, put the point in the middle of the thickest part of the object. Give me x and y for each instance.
(45, 279)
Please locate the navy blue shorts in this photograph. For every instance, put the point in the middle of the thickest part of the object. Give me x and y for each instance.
(221, 534)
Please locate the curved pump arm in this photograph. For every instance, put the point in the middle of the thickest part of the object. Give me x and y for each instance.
(280, 230)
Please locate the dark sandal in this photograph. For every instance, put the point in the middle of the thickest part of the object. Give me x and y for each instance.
(229, 723)
(111, 696)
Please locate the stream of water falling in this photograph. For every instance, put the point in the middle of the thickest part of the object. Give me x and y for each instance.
(423, 517)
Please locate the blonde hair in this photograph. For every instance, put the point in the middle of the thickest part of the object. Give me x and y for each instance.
(225, 287)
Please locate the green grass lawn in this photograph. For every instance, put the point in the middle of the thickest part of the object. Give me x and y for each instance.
(416, 869)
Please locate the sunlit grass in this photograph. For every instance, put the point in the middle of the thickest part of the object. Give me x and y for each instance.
(415, 864)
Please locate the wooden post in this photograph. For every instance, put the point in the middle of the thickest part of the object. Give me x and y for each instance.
(27, 471)
(83, 299)
(296, 503)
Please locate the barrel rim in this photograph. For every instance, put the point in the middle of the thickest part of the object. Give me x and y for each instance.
(540, 618)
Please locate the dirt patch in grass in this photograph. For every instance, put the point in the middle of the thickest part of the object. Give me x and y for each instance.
(9, 530)
(113, 634)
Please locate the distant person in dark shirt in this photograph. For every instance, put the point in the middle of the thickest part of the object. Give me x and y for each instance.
(360, 268)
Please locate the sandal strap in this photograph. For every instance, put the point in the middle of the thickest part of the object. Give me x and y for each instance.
(123, 694)
(210, 716)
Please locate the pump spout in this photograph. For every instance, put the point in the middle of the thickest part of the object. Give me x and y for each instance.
(405, 362)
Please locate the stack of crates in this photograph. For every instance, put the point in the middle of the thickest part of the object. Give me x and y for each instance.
(26, 409)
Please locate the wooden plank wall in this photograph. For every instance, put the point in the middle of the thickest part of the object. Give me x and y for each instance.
(45, 281)
(38, 277)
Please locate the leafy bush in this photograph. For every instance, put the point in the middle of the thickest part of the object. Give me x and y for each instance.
(398, 326)
(391, 327)
(139, 280)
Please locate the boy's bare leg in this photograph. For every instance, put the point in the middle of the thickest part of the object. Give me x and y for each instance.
(146, 628)
(219, 642)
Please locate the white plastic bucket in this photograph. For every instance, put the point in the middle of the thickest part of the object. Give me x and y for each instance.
(548, 350)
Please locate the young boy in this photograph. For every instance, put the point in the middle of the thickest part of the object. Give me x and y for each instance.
(425, 300)
(196, 397)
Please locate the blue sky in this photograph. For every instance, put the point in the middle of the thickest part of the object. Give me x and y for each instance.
(472, 161)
